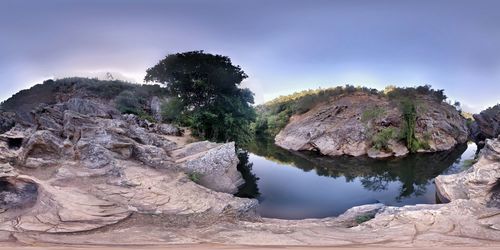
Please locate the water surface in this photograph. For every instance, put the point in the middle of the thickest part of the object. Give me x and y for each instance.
(297, 185)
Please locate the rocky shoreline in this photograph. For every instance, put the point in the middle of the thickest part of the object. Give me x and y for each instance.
(347, 125)
(81, 173)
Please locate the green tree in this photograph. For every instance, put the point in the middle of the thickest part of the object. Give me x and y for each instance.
(410, 118)
(206, 91)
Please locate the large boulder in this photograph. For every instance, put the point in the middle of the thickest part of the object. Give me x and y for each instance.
(215, 163)
(476, 183)
(486, 124)
(155, 106)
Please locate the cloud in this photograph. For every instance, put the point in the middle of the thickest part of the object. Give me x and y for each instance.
(284, 46)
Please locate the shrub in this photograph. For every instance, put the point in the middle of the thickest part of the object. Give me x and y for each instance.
(380, 141)
(172, 109)
(468, 163)
(364, 218)
(145, 116)
(128, 103)
(372, 113)
(195, 176)
(409, 111)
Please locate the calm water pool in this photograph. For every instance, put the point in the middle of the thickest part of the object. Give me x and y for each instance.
(293, 185)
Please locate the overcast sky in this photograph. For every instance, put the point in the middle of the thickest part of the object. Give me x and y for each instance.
(284, 46)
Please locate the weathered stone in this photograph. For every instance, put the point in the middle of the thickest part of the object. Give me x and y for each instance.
(339, 127)
(486, 124)
(7, 121)
(217, 168)
(155, 106)
(168, 129)
(152, 156)
(43, 147)
(193, 149)
(88, 107)
(476, 182)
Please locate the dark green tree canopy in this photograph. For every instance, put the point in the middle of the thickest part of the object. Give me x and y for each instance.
(205, 92)
(198, 78)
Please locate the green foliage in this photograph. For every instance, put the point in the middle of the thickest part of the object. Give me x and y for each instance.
(128, 103)
(380, 140)
(413, 92)
(50, 92)
(145, 116)
(273, 116)
(468, 163)
(364, 218)
(372, 113)
(171, 109)
(409, 111)
(195, 176)
(136, 101)
(206, 95)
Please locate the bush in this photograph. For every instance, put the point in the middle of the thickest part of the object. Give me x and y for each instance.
(172, 109)
(195, 176)
(468, 163)
(128, 103)
(409, 110)
(380, 141)
(372, 113)
(364, 218)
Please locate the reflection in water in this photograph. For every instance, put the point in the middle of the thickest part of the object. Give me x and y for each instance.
(250, 188)
(295, 185)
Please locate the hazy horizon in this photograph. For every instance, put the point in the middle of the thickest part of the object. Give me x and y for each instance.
(284, 46)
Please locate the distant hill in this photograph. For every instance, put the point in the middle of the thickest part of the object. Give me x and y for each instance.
(60, 90)
(274, 115)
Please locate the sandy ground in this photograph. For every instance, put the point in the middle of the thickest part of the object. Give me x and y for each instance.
(222, 247)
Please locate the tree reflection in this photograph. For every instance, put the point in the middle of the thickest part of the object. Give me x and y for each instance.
(413, 172)
(250, 189)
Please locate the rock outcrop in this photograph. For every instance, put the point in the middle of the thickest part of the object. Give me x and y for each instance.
(476, 183)
(81, 166)
(346, 125)
(7, 121)
(77, 172)
(486, 124)
(155, 106)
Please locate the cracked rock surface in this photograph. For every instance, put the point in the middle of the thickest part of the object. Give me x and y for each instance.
(85, 175)
(81, 167)
(338, 126)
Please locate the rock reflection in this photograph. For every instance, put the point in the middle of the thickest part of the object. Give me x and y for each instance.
(413, 173)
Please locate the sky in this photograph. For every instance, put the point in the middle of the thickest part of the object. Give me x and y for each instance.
(283, 45)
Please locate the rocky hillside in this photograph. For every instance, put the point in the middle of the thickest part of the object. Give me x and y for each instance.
(480, 182)
(126, 97)
(378, 124)
(486, 124)
(81, 165)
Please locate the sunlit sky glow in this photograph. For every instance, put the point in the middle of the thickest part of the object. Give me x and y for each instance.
(284, 46)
